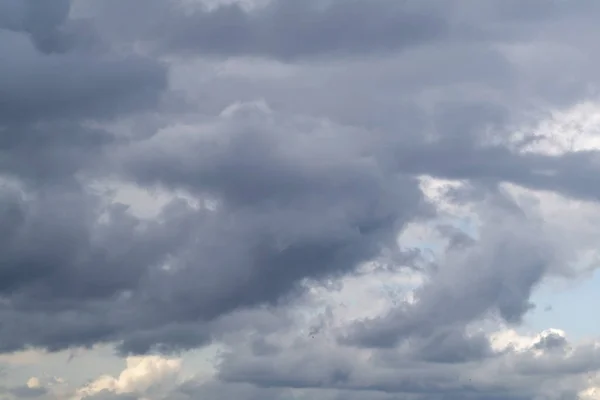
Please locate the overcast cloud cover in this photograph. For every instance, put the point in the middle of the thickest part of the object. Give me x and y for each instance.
(297, 199)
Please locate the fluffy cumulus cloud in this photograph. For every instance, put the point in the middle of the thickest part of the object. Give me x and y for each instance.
(336, 199)
(141, 375)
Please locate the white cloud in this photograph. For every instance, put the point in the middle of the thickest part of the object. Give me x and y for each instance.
(574, 129)
(33, 383)
(143, 376)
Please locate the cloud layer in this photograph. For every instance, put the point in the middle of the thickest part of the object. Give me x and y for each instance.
(176, 175)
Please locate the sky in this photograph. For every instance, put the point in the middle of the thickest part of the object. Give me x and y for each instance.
(299, 200)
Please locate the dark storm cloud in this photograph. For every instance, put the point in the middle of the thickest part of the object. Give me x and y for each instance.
(289, 30)
(41, 21)
(291, 213)
(45, 96)
(52, 152)
(283, 215)
(292, 199)
(283, 29)
(65, 272)
(572, 174)
(51, 241)
(36, 87)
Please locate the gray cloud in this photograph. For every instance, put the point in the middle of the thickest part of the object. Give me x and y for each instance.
(26, 392)
(304, 187)
(291, 221)
(47, 96)
(289, 30)
(320, 368)
(41, 22)
(552, 341)
(37, 87)
(282, 29)
(511, 258)
(107, 395)
(452, 346)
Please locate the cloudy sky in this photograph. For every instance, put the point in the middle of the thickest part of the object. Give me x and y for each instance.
(299, 199)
